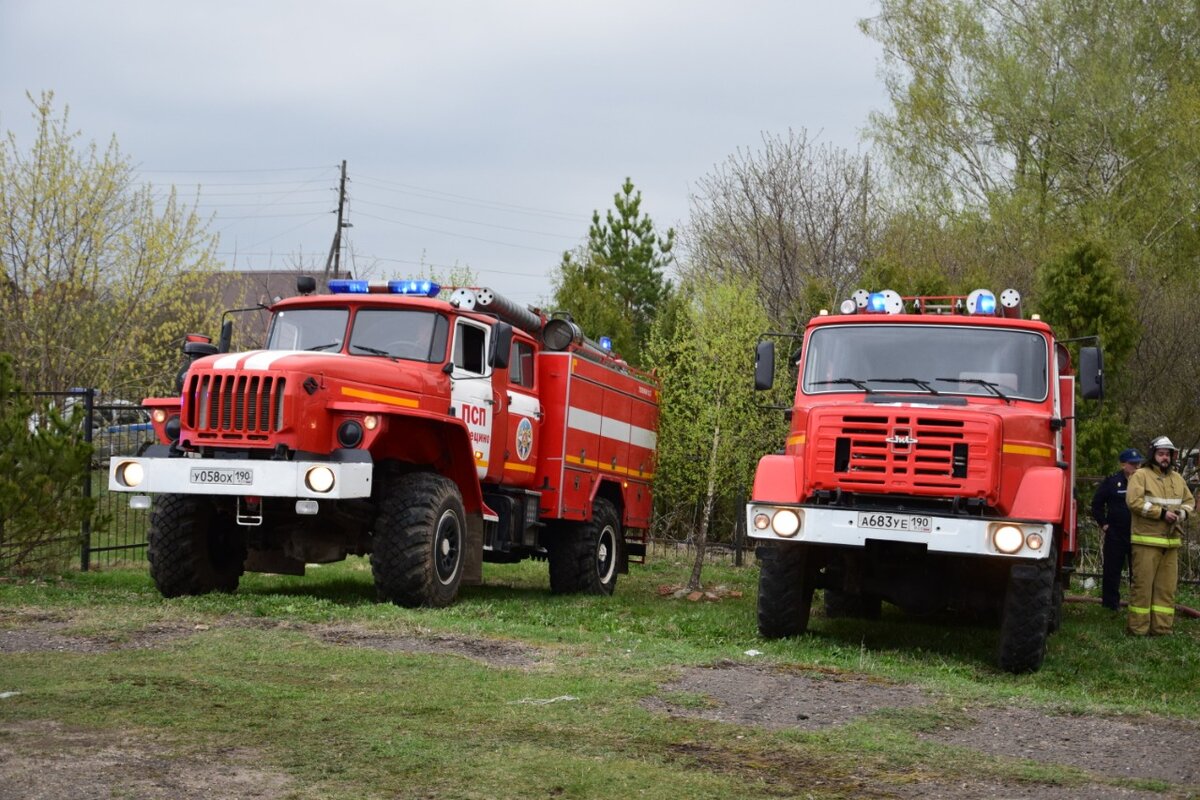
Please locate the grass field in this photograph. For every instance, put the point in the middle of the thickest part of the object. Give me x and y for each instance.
(306, 688)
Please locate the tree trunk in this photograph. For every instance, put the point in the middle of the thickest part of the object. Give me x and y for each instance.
(706, 516)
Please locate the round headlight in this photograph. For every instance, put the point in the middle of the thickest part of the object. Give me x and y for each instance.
(786, 522)
(130, 474)
(158, 415)
(319, 479)
(350, 433)
(761, 521)
(1008, 538)
(1034, 541)
(371, 422)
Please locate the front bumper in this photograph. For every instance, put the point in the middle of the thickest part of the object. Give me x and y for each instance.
(841, 527)
(240, 477)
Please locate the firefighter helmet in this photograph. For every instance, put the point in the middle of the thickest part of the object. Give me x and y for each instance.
(1163, 443)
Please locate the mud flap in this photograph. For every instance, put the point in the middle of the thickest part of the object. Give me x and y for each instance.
(473, 551)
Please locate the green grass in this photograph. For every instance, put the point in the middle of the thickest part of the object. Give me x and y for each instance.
(357, 722)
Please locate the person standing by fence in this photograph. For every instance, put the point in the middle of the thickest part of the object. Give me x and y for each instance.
(1159, 502)
(1112, 515)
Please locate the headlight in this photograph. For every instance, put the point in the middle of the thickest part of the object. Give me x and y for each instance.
(785, 522)
(158, 415)
(762, 521)
(319, 479)
(1034, 541)
(131, 474)
(1007, 538)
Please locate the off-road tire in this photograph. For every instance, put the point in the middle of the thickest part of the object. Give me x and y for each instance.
(853, 606)
(192, 547)
(418, 541)
(584, 558)
(786, 581)
(1056, 607)
(1025, 624)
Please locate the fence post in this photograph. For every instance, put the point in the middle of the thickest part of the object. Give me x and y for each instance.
(739, 529)
(85, 531)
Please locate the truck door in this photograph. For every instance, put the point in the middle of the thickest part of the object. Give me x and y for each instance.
(471, 391)
(523, 436)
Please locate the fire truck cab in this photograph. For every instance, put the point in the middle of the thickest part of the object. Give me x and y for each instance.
(380, 419)
(929, 464)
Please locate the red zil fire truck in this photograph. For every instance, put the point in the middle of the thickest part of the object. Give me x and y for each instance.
(929, 463)
(432, 434)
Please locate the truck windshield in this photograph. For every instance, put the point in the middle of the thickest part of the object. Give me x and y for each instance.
(308, 329)
(391, 332)
(400, 333)
(926, 359)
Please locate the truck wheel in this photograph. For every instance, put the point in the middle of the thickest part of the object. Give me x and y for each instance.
(786, 583)
(192, 548)
(418, 541)
(1056, 608)
(1025, 624)
(584, 558)
(857, 606)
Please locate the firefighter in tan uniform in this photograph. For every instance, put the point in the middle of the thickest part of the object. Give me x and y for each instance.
(1159, 502)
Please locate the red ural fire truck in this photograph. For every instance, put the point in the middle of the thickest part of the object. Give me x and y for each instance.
(929, 463)
(432, 434)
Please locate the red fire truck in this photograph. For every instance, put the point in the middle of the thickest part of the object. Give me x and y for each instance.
(432, 434)
(929, 463)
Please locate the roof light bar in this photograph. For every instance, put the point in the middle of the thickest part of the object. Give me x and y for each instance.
(418, 288)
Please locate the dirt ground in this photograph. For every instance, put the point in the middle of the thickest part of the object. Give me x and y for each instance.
(1123, 748)
(44, 760)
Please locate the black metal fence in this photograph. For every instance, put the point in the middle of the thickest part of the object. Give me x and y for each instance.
(113, 428)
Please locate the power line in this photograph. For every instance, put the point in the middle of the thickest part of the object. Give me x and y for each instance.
(434, 194)
(452, 234)
(467, 221)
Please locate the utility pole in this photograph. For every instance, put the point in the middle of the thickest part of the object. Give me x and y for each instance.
(334, 261)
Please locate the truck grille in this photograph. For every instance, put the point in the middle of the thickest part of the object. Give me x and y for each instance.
(903, 452)
(234, 406)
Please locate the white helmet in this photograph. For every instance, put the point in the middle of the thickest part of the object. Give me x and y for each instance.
(1162, 443)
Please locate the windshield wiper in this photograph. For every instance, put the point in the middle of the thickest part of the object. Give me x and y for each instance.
(913, 381)
(323, 346)
(994, 388)
(372, 350)
(857, 383)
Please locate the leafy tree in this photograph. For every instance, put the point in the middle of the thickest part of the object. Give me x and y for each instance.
(615, 284)
(711, 429)
(99, 278)
(43, 459)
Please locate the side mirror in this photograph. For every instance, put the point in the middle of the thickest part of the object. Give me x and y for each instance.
(1091, 373)
(764, 365)
(501, 345)
(226, 336)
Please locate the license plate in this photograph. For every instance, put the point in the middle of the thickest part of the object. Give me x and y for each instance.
(221, 476)
(909, 523)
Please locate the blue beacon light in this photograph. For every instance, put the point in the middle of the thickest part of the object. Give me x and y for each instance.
(344, 286)
(877, 302)
(606, 343)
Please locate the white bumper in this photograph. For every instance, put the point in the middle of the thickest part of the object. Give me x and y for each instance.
(240, 477)
(841, 527)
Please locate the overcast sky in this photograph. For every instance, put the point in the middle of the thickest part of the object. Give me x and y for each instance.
(480, 134)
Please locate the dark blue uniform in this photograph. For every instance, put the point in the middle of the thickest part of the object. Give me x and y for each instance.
(1108, 508)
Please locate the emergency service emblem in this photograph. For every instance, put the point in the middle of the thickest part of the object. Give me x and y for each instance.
(524, 438)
